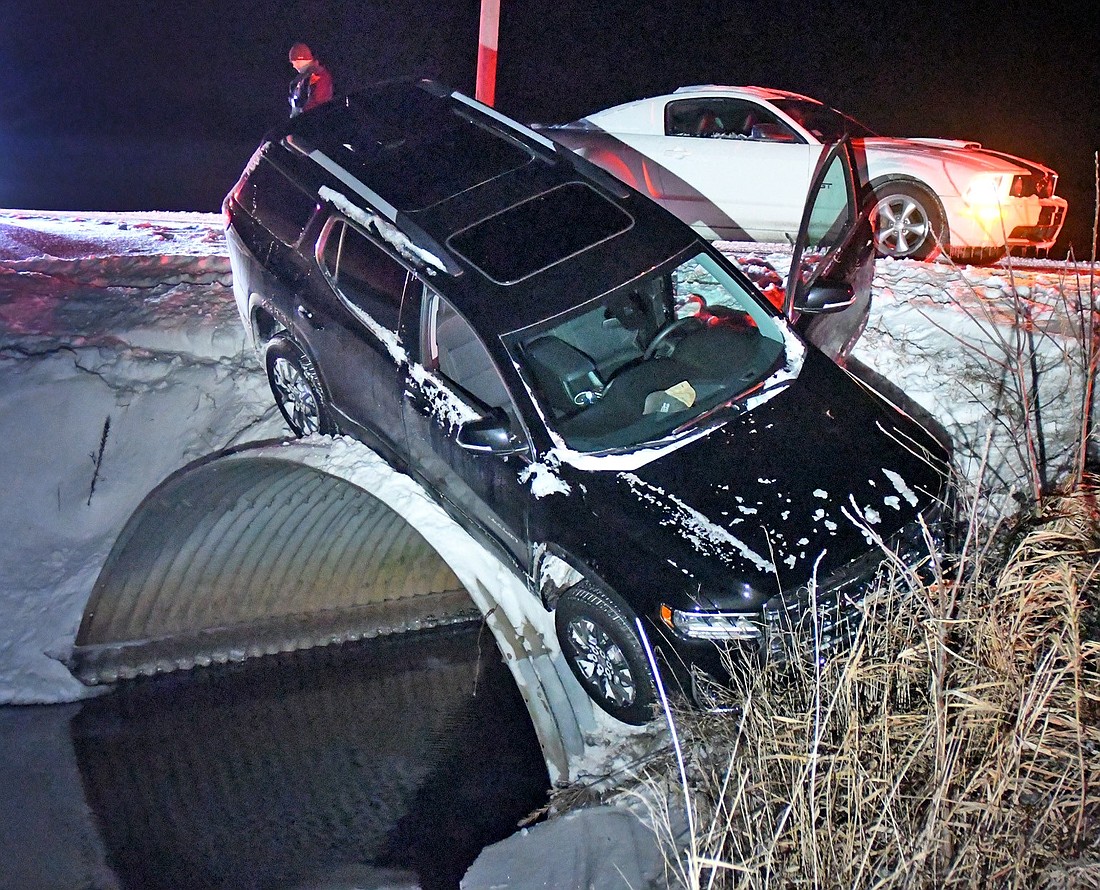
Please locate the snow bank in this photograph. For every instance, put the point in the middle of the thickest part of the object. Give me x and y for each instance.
(121, 359)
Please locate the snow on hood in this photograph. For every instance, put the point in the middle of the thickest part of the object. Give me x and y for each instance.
(544, 478)
(706, 536)
(763, 497)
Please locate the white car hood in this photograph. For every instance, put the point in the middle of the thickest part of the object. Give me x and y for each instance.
(970, 154)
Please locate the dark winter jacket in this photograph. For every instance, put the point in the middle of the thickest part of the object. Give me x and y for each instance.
(310, 88)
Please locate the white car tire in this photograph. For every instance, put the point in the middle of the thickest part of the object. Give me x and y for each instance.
(908, 222)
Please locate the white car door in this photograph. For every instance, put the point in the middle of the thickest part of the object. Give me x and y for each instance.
(732, 169)
(828, 295)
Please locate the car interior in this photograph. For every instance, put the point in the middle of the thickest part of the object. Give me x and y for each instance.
(455, 350)
(621, 371)
(724, 118)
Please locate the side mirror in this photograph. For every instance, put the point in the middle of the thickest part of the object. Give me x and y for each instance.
(489, 434)
(827, 296)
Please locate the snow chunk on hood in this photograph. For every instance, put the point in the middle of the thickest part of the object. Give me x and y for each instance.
(544, 479)
(901, 487)
(696, 528)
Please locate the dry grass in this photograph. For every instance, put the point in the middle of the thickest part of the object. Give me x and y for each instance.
(956, 745)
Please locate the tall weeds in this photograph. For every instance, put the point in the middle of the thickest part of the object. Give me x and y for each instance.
(956, 745)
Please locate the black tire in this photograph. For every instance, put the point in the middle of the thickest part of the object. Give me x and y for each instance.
(597, 636)
(908, 222)
(295, 387)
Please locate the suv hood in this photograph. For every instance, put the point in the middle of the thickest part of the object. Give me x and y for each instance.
(753, 506)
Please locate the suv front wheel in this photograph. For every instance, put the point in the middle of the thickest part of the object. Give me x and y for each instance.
(295, 388)
(602, 649)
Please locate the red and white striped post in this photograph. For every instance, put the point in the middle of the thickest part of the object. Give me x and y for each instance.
(486, 87)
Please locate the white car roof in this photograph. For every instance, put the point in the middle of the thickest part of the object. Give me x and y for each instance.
(765, 93)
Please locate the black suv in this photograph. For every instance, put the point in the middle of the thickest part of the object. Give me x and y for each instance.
(591, 389)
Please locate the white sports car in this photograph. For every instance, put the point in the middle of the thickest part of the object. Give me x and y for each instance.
(735, 163)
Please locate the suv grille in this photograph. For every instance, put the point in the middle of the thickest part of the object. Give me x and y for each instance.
(793, 628)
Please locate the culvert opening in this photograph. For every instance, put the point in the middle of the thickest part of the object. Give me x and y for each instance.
(245, 557)
(291, 545)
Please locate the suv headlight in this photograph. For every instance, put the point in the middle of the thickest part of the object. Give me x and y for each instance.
(712, 625)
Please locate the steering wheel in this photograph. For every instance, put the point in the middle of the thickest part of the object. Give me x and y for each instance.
(664, 333)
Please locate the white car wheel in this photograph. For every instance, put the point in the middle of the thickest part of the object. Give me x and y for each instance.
(908, 222)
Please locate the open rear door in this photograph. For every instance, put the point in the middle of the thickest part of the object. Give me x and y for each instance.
(829, 285)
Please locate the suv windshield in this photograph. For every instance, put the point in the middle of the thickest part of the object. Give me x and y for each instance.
(649, 359)
(825, 123)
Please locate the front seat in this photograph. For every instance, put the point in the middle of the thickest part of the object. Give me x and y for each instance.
(566, 376)
(708, 124)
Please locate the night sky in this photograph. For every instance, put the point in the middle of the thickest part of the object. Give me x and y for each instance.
(111, 105)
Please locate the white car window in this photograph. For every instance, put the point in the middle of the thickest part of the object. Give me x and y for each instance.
(725, 118)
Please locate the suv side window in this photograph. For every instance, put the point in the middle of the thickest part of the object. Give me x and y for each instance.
(278, 203)
(364, 274)
(451, 347)
(725, 119)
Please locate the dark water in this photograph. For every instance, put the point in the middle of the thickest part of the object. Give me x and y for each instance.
(387, 763)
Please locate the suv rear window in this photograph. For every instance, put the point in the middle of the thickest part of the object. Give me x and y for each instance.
(280, 205)
(364, 274)
(539, 232)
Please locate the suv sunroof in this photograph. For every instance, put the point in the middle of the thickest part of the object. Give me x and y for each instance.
(539, 232)
(399, 142)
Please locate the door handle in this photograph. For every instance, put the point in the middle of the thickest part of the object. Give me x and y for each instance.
(676, 152)
(309, 317)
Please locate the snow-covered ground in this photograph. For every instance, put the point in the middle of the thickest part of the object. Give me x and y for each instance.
(122, 359)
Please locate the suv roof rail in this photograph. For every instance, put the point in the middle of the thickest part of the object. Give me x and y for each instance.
(393, 226)
(549, 148)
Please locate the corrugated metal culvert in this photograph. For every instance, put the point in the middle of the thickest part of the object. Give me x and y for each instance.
(251, 556)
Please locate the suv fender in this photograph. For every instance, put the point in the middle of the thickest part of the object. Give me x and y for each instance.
(555, 570)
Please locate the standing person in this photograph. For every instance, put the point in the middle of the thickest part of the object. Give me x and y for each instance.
(312, 85)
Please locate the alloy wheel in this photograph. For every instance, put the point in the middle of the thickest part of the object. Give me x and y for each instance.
(602, 662)
(296, 396)
(902, 226)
